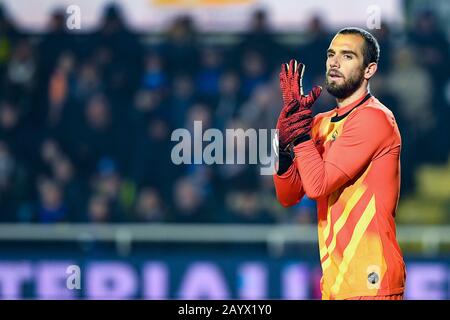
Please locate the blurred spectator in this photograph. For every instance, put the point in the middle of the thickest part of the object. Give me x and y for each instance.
(56, 41)
(147, 104)
(245, 207)
(198, 112)
(315, 46)
(190, 205)
(254, 71)
(432, 46)
(304, 212)
(9, 123)
(262, 109)
(108, 183)
(51, 207)
(229, 99)
(155, 76)
(8, 36)
(199, 173)
(181, 48)
(412, 85)
(13, 185)
(182, 97)
(59, 84)
(50, 151)
(151, 163)
(122, 48)
(209, 72)
(13, 131)
(63, 171)
(21, 71)
(149, 207)
(60, 113)
(96, 137)
(88, 82)
(98, 209)
(134, 128)
(64, 174)
(233, 175)
(260, 38)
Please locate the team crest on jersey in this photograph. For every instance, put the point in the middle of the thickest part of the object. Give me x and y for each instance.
(373, 277)
(334, 135)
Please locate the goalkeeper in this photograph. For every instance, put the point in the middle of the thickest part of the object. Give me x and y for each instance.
(347, 159)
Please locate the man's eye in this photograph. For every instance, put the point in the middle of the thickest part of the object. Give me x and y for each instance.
(348, 56)
(329, 55)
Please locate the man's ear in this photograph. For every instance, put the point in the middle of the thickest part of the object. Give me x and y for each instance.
(370, 70)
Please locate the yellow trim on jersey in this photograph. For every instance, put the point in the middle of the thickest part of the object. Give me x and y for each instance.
(326, 233)
(339, 224)
(331, 200)
(350, 250)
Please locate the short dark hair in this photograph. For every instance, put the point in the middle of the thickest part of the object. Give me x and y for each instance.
(371, 49)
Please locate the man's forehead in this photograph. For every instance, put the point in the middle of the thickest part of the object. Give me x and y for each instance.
(351, 42)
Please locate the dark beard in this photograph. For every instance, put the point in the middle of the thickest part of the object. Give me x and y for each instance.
(347, 88)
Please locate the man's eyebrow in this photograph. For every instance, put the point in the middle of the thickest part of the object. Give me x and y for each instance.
(343, 52)
(349, 52)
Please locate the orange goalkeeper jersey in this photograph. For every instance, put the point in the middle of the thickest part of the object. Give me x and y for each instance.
(351, 167)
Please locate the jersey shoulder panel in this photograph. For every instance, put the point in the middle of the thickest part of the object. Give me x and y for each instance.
(374, 113)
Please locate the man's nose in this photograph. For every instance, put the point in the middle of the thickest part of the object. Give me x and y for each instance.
(333, 62)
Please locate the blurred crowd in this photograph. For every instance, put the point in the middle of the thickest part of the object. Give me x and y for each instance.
(86, 118)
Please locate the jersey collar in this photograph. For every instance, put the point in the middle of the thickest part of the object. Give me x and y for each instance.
(342, 112)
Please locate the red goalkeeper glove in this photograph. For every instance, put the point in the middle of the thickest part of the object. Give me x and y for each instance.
(294, 122)
(284, 124)
(291, 81)
(300, 122)
(295, 117)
